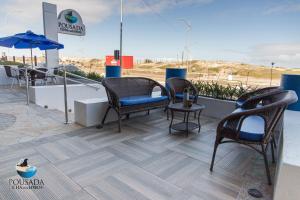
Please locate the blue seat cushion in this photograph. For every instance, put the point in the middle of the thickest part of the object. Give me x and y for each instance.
(239, 103)
(180, 96)
(253, 128)
(136, 100)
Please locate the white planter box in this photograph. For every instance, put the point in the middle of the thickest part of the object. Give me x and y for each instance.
(216, 108)
(90, 112)
(287, 179)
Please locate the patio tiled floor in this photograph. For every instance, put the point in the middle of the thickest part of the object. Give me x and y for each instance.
(142, 162)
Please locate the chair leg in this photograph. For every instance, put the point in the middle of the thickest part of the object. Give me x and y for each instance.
(103, 120)
(214, 155)
(119, 121)
(12, 83)
(19, 82)
(167, 110)
(272, 149)
(274, 142)
(266, 164)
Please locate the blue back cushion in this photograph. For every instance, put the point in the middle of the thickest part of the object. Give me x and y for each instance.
(253, 128)
(136, 100)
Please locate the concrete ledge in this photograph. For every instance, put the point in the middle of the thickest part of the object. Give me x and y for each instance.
(90, 112)
(288, 168)
(216, 108)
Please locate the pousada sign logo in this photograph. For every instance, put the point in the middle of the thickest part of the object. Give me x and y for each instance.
(70, 22)
(70, 18)
(26, 172)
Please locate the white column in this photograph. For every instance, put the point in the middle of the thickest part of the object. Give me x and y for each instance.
(50, 31)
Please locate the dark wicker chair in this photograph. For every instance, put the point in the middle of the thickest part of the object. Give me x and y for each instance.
(255, 127)
(12, 73)
(249, 95)
(133, 94)
(41, 74)
(176, 87)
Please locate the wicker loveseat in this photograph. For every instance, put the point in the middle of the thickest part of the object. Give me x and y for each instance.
(255, 126)
(133, 94)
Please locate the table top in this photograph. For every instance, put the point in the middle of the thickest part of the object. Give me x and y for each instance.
(179, 107)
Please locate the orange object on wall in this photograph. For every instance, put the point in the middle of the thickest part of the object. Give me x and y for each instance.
(127, 61)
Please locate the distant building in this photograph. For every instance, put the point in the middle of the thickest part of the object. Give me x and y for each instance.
(127, 61)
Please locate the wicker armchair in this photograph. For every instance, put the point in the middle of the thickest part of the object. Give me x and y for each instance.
(12, 73)
(249, 95)
(41, 74)
(255, 127)
(176, 87)
(133, 94)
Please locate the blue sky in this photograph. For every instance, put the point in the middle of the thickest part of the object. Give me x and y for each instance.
(250, 31)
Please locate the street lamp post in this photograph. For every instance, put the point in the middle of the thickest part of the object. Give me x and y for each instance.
(121, 34)
(186, 47)
(272, 73)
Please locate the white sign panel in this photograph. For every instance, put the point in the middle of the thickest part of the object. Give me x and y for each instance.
(70, 22)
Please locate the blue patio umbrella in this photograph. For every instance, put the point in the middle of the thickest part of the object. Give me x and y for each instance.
(29, 40)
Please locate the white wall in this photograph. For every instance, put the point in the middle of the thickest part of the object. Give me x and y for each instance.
(287, 181)
(53, 95)
(216, 108)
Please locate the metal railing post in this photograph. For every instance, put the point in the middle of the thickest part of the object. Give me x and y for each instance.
(27, 85)
(66, 97)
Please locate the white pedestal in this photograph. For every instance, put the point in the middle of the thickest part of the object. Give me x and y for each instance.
(287, 182)
(90, 112)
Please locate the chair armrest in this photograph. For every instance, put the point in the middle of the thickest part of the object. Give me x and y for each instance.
(113, 97)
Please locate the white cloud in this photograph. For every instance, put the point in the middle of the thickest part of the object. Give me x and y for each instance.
(30, 12)
(146, 6)
(284, 8)
(284, 54)
(20, 15)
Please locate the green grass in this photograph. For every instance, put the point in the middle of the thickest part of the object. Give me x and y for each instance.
(221, 91)
(90, 75)
(9, 63)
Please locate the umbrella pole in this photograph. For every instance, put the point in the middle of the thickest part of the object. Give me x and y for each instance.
(31, 58)
(27, 85)
(26, 76)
